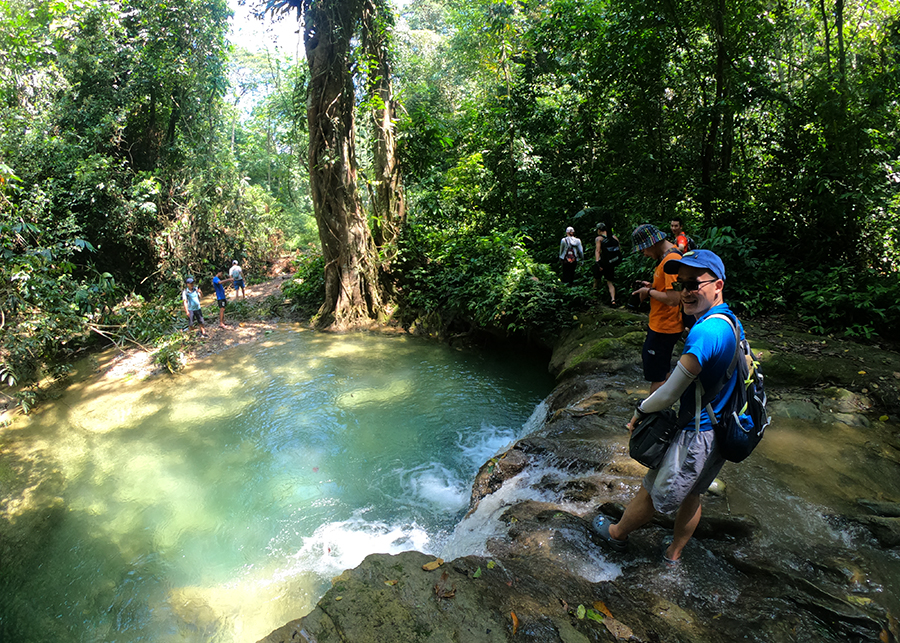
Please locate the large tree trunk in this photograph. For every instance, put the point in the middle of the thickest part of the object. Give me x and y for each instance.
(709, 168)
(387, 195)
(352, 295)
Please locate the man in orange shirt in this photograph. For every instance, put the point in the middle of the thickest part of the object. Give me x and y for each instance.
(665, 313)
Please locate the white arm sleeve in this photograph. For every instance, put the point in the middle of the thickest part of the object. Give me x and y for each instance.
(667, 394)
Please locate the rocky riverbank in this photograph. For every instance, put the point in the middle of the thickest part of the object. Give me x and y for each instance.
(799, 543)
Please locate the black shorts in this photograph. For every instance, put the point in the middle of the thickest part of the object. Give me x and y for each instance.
(221, 302)
(657, 355)
(196, 317)
(609, 273)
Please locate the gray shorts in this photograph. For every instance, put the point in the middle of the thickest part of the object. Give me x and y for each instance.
(689, 467)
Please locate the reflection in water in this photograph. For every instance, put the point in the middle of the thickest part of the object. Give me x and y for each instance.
(218, 504)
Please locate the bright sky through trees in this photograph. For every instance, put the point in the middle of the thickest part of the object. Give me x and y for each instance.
(254, 35)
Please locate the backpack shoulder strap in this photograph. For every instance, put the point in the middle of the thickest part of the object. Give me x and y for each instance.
(705, 398)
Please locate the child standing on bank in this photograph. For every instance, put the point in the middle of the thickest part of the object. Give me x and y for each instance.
(191, 298)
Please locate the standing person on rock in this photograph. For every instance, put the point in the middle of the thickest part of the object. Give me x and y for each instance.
(570, 253)
(221, 299)
(237, 274)
(665, 312)
(692, 460)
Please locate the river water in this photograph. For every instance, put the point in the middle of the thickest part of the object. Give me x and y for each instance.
(217, 504)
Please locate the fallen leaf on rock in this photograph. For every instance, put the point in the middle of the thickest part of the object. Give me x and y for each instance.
(883, 418)
(433, 565)
(338, 598)
(515, 620)
(441, 590)
(580, 612)
(477, 573)
(859, 600)
(491, 564)
(594, 615)
(391, 582)
(600, 606)
(618, 629)
(861, 373)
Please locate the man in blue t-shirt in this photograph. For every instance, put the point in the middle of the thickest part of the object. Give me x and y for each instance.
(692, 460)
(218, 284)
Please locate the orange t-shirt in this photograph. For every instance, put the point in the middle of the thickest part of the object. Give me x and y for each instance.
(663, 318)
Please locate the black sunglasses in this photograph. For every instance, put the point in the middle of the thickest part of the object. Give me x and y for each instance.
(690, 284)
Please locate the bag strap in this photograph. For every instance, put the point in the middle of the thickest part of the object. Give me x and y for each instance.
(704, 399)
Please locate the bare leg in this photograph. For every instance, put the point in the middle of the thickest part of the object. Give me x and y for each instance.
(612, 290)
(686, 521)
(638, 513)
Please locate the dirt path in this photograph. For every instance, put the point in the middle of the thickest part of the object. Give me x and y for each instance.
(137, 363)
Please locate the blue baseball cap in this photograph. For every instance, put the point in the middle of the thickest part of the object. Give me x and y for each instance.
(704, 259)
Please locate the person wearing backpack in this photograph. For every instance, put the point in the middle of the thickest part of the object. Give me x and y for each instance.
(693, 459)
(607, 255)
(570, 253)
(682, 241)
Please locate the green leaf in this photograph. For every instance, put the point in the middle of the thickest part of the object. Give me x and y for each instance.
(594, 615)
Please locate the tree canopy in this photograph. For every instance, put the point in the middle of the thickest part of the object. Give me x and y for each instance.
(441, 149)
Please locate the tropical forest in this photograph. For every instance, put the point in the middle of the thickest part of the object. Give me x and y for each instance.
(408, 168)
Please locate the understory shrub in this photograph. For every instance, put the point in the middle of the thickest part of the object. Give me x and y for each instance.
(491, 281)
(306, 289)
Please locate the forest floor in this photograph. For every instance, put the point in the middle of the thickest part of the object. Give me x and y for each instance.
(139, 363)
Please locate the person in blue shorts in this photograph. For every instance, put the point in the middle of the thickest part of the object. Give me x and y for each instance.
(191, 297)
(237, 273)
(218, 284)
(692, 460)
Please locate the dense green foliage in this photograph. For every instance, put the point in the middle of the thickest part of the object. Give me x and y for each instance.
(137, 147)
(484, 281)
(771, 129)
(119, 172)
(306, 290)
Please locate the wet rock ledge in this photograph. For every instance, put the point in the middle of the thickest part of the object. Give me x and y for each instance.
(750, 573)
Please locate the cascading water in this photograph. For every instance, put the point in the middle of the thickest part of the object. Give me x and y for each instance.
(218, 504)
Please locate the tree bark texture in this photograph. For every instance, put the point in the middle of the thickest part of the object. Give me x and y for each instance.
(389, 205)
(352, 296)
(721, 110)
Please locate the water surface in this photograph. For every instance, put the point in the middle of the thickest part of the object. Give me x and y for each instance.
(217, 504)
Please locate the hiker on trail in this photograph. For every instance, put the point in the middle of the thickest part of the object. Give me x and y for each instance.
(693, 459)
(665, 311)
(191, 297)
(607, 256)
(221, 300)
(237, 273)
(682, 241)
(570, 253)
